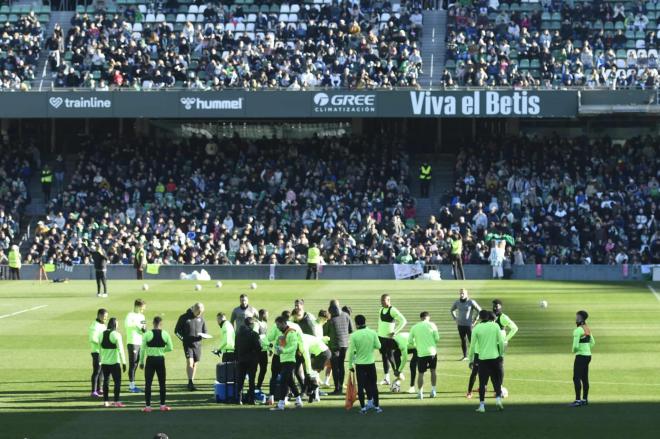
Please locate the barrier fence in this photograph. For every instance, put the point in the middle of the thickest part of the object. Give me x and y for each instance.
(350, 272)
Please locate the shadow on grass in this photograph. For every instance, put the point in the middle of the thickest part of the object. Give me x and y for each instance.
(632, 420)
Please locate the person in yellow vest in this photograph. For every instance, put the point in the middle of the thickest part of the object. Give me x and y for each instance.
(313, 259)
(425, 179)
(456, 241)
(46, 181)
(14, 262)
(140, 262)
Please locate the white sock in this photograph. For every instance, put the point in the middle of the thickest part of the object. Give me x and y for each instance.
(482, 405)
(327, 381)
(498, 399)
(298, 400)
(433, 388)
(131, 384)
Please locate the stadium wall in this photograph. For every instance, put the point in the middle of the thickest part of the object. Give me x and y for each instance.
(592, 273)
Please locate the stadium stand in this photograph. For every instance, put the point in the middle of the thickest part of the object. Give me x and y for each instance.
(252, 203)
(552, 44)
(239, 44)
(15, 172)
(564, 201)
(575, 201)
(21, 40)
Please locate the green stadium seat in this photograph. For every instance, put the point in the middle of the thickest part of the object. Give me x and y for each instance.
(621, 53)
(556, 16)
(609, 25)
(4, 10)
(535, 64)
(13, 18)
(3, 18)
(524, 64)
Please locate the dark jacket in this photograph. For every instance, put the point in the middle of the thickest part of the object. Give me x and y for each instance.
(100, 261)
(188, 328)
(338, 328)
(248, 345)
(307, 324)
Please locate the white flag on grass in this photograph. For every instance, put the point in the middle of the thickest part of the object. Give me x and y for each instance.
(406, 271)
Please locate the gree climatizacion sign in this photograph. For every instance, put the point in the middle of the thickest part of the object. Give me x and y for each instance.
(344, 103)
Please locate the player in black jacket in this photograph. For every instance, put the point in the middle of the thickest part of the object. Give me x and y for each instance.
(100, 268)
(188, 328)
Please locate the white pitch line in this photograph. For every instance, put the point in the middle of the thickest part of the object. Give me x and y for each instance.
(562, 382)
(22, 311)
(655, 293)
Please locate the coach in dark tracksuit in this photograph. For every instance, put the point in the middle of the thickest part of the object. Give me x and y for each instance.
(338, 328)
(100, 268)
(188, 328)
(247, 350)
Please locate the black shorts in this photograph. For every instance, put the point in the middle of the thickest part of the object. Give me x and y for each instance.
(318, 361)
(194, 352)
(387, 344)
(425, 363)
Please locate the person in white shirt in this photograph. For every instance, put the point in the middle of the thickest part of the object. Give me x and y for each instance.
(496, 258)
(136, 326)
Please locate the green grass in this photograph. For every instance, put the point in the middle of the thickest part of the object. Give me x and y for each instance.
(44, 366)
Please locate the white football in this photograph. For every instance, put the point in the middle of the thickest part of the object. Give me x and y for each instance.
(543, 304)
(145, 287)
(253, 286)
(396, 387)
(198, 287)
(218, 284)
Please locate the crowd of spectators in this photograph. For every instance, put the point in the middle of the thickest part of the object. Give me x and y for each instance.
(564, 200)
(16, 167)
(20, 46)
(293, 46)
(553, 44)
(240, 201)
(233, 201)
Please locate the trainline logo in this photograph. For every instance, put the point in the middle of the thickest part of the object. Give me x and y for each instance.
(211, 104)
(93, 102)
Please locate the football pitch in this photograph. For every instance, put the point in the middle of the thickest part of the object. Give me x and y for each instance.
(45, 363)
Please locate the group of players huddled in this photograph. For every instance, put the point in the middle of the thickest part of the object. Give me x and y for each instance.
(301, 347)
